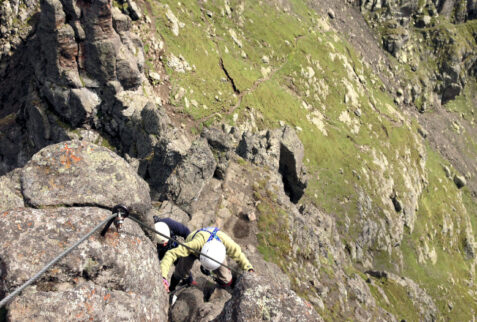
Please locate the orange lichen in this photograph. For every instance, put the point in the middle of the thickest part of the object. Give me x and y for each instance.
(68, 158)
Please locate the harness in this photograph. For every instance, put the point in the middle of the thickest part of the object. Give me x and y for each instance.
(213, 234)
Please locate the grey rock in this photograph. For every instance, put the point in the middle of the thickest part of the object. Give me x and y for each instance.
(423, 303)
(134, 10)
(291, 164)
(459, 181)
(121, 22)
(447, 171)
(261, 149)
(106, 278)
(169, 210)
(10, 195)
(38, 125)
(167, 154)
(155, 119)
(52, 14)
(423, 132)
(187, 305)
(218, 139)
(81, 173)
(281, 150)
(258, 298)
(127, 71)
(83, 104)
(189, 177)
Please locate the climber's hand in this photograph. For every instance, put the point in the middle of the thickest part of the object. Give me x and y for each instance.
(166, 284)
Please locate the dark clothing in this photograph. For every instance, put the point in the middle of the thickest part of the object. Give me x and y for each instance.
(177, 229)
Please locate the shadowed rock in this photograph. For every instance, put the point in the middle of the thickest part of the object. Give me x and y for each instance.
(280, 150)
(189, 177)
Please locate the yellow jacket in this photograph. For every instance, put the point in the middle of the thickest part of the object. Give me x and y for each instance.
(196, 241)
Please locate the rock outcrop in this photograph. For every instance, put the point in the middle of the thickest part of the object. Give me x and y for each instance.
(105, 278)
(80, 173)
(278, 149)
(410, 30)
(257, 299)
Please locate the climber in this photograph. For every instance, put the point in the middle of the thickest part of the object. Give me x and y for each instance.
(211, 242)
(170, 228)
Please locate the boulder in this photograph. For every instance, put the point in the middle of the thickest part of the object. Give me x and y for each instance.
(291, 164)
(459, 181)
(80, 173)
(280, 150)
(107, 278)
(193, 304)
(258, 298)
(190, 176)
(218, 139)
(169, 210)
(167, 154)
(155, 120)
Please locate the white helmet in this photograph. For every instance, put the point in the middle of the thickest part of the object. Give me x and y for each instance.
(163, 229)
(214, 249)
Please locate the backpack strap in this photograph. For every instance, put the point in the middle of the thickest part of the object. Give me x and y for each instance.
(213, 234)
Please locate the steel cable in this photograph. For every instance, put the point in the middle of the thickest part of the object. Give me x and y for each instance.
(6, 299)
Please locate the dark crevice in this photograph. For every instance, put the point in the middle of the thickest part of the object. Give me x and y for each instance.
(73, 205)
(236, 90)
(293, 188)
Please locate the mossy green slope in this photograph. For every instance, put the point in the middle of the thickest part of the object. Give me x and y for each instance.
(257, 64)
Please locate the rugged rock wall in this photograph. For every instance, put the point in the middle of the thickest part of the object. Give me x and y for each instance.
(378, 226)
(427, 35)
(106, 278)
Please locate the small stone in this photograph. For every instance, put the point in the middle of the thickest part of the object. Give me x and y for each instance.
(265, 59)
(422, 132)
(155, 77)
(459, 181)
(447, 172)
(356, 174)
(450, 305)
(251, 216)
(210, 13)
(357, 112)
(243, 54)
(331, 14)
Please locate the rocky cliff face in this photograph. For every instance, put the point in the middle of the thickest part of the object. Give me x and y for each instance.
(427, 36)
(333, 140)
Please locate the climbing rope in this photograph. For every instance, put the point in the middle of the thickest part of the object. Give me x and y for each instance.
(55, 260)
(119, 214)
